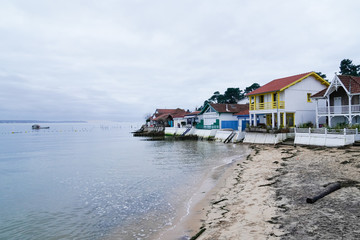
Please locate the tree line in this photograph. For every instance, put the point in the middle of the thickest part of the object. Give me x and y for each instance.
(348, 68)
(231, 95)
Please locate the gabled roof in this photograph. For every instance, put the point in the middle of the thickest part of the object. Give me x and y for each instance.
(281, 84)
(320, 94)
(193, 113)
(162, 111)
(226, 107)
(243, 112)
(165, 113)
(351, 84)
(161, 117)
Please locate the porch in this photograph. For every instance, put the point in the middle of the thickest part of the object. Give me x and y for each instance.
(344, 109)
(267, 105)
(348, 114)
(273, 119)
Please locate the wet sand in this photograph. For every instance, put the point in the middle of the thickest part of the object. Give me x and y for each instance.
(264, 197)
(188, 223)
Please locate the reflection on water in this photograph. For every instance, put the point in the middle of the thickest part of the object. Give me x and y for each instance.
(96, 181)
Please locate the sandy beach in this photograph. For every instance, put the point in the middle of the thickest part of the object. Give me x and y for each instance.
(264, 196)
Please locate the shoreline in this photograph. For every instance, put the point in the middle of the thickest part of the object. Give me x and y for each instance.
(264, 196)
(187, 225)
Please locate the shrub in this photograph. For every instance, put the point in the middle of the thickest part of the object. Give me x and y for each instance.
(306, 125)
(341, 125)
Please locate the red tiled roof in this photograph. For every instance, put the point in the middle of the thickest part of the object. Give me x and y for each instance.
(278, 84)
(319, 94)
(162, 111)
(193, 113)
(351, 83)
(179, 113)
(229, 108)
(161, 116)
(243, 112)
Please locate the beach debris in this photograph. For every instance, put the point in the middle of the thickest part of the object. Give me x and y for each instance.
(37, 126)
(329, 189)
(224, 199)
(198, 234)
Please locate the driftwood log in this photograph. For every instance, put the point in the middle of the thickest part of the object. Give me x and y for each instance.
(329, 189)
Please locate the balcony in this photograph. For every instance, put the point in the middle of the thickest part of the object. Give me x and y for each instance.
(339, 110)
(267, 106)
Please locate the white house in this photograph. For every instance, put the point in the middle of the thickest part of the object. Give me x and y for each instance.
(286, 102)
(220, 116)
(191, 118)
(340, 102)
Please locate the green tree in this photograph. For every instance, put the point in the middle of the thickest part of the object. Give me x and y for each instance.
(215, 97)
(321, 75)
(348, 68)
(233, 95)
(251, 88)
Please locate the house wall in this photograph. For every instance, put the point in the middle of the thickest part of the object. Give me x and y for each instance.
(356, 120)
(210, 118)
(337, 120)
(342, 119)
(339, 93)
(179, 121)
(226, 117)
(355, 100)
(296, 100)
(242, 121)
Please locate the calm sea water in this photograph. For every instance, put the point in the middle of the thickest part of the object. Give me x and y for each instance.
(96, 181)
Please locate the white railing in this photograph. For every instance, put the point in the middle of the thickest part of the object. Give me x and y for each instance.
(343, 131)
(344, 109)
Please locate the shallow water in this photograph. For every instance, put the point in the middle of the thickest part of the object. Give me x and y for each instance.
(96, 181)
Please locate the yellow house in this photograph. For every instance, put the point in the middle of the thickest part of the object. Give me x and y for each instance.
(286, 102)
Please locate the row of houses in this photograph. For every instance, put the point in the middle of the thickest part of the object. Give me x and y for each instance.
(286, 102)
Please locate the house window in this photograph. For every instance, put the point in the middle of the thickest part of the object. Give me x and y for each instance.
(274, 97)
(261, 98)
(209, 110)
(309, 97)
(261, 102)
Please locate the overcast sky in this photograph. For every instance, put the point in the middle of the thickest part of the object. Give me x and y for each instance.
(119, 60)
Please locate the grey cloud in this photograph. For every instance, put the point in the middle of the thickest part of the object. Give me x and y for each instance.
(121, 59)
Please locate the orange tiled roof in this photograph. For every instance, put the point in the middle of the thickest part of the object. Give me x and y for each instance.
(278, 84)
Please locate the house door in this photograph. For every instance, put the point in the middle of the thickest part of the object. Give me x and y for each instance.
(290, 119)
(268, 120)
(230, 124)
(337, 104)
